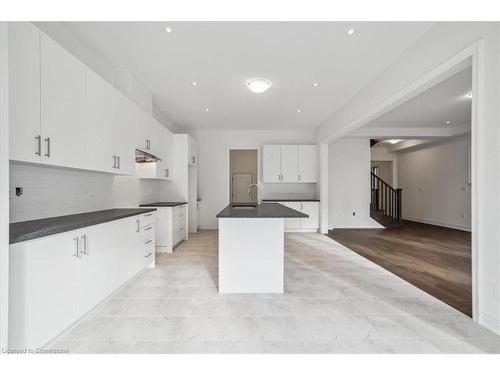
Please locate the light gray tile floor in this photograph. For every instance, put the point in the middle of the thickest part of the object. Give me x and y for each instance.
(335, 301)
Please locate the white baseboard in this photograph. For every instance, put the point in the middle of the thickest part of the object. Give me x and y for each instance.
(314, 230)
(489, 322)
(439, 224)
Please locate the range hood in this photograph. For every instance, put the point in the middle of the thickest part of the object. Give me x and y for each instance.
(145, 157)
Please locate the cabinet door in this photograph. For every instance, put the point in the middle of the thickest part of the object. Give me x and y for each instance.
(24, 91)
(289, 170)
(43, 289)
(311, 209)
(102, 132)
(160, 150)
(193, 151)
(170, 155)
(124, 135)
(62, 106)
(307, 167)
(107, 260)
(271, 163)
(292, 223)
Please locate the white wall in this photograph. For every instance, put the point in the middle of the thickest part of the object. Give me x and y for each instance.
(382, 154)
(4, 186)
(349, 184)
(440, 43)
(213, 176)
(435, 184)
(50, 191)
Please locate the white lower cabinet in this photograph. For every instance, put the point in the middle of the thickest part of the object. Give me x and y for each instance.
(171, 227)
(309, 224)
(55, 280)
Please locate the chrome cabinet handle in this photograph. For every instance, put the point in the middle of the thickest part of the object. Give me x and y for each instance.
(85, 249)
(118, 158)
(38, 145)
(193, 158)
(299, 177)
(148, 255)
(148, 242)
(48, 147)
(166, 172)
(77, 253)
(114, 161)
(138, 226)
(148, 228)
(146, 215)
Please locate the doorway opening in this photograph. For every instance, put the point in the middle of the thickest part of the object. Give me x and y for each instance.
(243, 175)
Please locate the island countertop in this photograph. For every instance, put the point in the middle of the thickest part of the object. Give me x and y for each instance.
(264, 210)
(32, 229)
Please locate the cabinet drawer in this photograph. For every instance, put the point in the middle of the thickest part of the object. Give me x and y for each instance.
(178, 233)
(147, 219)
(179, 211)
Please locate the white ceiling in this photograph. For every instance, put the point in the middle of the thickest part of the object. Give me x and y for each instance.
(220, 56)
(444, 102)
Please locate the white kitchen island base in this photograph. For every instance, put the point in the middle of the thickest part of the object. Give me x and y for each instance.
(251, 255)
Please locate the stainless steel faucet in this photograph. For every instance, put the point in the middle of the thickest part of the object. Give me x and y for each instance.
(250, 188)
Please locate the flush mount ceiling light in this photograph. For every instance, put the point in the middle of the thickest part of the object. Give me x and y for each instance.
(168, 29)
(448, 122)
(206, 109)
(469, 95)
(194, 83)
(299, 110)
(315, 84)
(351, 32)
(258, 85)
(393, 141)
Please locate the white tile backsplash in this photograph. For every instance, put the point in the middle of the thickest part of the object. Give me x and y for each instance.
(50, 191)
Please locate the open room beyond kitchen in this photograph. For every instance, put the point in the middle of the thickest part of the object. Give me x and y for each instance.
(182, 187)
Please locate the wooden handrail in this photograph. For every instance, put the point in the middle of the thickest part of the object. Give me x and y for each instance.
(385, 198)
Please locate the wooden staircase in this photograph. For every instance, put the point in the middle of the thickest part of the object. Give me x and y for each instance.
(385, 205)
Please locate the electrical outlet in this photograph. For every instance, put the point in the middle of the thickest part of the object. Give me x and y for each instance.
(463, 215)
(19, 191)
(91, 192)
(354, 214)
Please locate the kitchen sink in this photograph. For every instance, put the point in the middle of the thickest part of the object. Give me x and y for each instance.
(244, 206)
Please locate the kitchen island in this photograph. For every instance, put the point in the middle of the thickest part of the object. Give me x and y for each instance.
(251, 247)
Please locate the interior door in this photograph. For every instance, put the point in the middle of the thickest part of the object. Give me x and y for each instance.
(62, 106)
(239, 188)
(289, 161)
(24, 92)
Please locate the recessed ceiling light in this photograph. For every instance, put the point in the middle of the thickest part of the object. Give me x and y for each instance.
(299, 110)
(448, 122)
(168, 29)
(315, 84)
(351, 31)
(393, 141)
(258, 85)
(469, 95)
(194, 83)
(207, 109)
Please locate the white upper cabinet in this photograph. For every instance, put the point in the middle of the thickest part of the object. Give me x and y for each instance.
(102, 132)
(271, 163)
(62, 105)
(289, 163)
(193, 152)
(289, 171)
(307, 163)
(24, 92)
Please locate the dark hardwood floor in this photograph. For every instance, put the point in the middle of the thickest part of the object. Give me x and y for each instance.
(435, 259)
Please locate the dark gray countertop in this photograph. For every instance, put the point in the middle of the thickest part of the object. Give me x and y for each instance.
(264, 210)
(163, 204)
(32, 229)
(291, 200)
